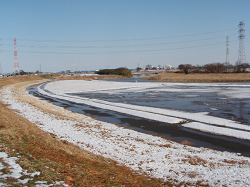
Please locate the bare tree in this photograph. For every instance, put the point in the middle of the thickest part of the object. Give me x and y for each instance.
(215, 68)
(186, 68)
(238, 66)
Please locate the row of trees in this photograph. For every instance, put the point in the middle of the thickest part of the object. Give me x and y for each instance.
(215, 68)
(21, 72)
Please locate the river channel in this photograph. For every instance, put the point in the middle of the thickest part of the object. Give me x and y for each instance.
(237, 109)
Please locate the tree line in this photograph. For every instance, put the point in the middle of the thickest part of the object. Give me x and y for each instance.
(215, 68)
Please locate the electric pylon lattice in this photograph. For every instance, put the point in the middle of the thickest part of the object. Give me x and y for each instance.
(0, 68)
(16, 64)
(241, 53)
(227, 51)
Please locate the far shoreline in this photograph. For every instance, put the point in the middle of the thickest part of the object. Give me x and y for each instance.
(199, 77)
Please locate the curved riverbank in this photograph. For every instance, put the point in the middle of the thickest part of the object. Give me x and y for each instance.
(136, 106)
(59, 162)
(157, 157)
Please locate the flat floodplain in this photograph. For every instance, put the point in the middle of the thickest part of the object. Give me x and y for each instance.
(158, 157)
(200, 77)
(212, 115)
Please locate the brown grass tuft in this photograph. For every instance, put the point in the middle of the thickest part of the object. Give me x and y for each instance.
(196, 161)
(187, 142)
(166, 145)
(233, 162)
(192, 174)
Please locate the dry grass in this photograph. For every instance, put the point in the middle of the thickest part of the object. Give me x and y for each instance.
(196, 161)
(187, 142)
(233, 162)
(201, 77)
(58, 160)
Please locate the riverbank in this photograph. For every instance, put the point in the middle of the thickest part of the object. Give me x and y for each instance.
(44, 159)
(88, 77)
(200, 77)
(58, 151)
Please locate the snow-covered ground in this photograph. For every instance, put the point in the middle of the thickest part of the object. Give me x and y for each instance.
(74, 86)
(15, 171)
(153, 155)
(200, 121)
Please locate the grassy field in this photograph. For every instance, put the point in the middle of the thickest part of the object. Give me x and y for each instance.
(56, 160)
(202, 77)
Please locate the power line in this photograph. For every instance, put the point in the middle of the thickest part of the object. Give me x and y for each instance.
(119, 40)
(135, 51)
(135, 45)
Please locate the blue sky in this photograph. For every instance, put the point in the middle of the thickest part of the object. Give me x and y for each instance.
(87, 35)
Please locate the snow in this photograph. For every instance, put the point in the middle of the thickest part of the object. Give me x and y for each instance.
(188, 96)
(202, 120)
(16, 171)
(71, 86)
(218, 130)
(87, 74)
(153, 155)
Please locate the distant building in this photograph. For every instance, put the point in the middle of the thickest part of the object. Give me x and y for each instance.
(168, 67)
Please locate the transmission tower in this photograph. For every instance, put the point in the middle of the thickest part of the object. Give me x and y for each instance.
(0, 68)
(227, 51)
(241, 53)
(16, 64)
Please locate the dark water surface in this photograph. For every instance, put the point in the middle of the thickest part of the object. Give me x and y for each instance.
(216, 105)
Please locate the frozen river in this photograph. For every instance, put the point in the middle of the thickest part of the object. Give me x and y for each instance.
(230, 101)
(213, 115)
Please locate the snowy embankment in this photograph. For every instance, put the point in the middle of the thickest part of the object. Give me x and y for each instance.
(17, 173)
(198, 121)
(153, 155)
